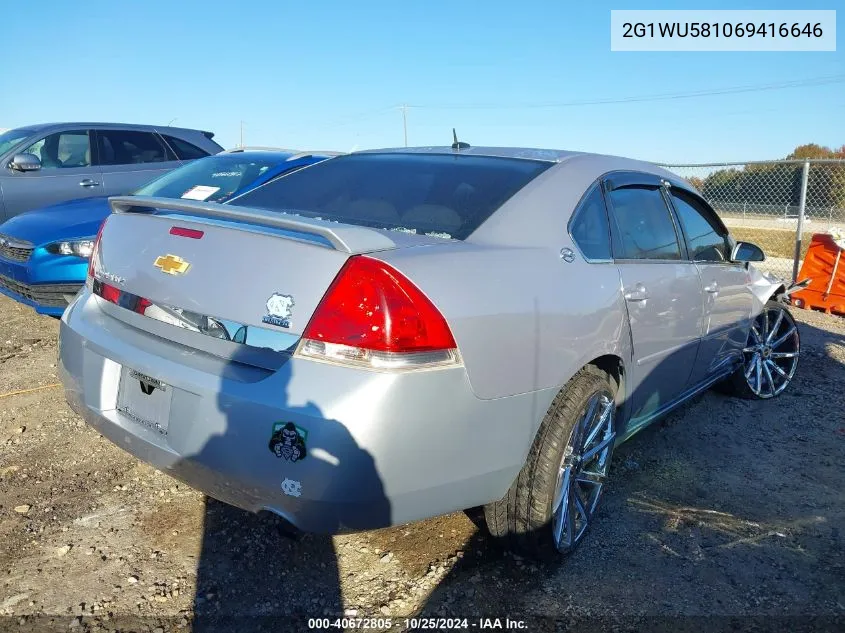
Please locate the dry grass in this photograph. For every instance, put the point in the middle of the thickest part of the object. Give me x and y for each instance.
(774, 242)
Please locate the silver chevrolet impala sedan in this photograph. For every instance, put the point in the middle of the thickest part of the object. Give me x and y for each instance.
(396, 334)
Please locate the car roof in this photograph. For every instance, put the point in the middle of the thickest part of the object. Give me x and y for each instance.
(535, 214)
(601, 162)
(528, 153)
(39, 127)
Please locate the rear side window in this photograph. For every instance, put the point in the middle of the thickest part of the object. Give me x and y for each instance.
(127, 147)
(644, 227)
(590, 229)
(434, 194)
(707, 241)
(183, 149)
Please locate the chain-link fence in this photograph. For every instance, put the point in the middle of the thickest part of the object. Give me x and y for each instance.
(777, 205)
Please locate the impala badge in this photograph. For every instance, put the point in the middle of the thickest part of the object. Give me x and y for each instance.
(171, 264)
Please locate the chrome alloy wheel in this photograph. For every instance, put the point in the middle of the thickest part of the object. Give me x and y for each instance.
(583, 471)
(771, 355)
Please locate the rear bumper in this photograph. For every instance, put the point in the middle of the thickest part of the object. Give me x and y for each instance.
(381, 448)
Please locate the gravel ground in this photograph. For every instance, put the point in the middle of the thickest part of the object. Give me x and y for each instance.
(726, 508)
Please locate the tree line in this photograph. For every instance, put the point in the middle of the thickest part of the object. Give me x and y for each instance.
(779, 183)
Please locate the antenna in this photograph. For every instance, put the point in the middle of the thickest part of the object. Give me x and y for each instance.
(458, 145)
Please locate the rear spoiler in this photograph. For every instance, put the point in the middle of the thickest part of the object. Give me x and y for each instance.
(342, 237)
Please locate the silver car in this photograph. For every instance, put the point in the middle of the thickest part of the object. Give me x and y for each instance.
(41, 165)
(397, 334)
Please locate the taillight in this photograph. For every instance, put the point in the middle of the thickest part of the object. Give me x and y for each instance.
(110, 293)
(107, 292)
(120, 298)
(375, 316)
(94, 260)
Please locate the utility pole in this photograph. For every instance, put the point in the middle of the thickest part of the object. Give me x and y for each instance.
(242, 135)
(405, 122)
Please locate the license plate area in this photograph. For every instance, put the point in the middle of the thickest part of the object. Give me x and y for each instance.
(144, 400)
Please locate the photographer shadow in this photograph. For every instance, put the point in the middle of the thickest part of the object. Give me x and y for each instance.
(256, 571)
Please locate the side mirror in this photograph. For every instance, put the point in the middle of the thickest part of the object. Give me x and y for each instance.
(25, 162)
(747, 252)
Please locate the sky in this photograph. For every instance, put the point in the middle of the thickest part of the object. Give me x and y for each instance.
(333, 75)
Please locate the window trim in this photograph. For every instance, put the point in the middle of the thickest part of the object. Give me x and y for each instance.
(709, 211)
(97, 131)
(640, 180)
(579, 208)
(624, 179)
(172, 150)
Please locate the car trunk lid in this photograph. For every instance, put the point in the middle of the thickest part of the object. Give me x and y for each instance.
(262, 271)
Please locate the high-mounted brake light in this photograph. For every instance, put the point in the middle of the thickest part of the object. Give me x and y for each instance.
(182, 231)
(373, 315)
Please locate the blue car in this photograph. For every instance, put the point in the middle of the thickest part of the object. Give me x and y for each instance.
(44, 253)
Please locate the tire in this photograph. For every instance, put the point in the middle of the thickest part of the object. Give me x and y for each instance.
(530, 517)
(770, 357)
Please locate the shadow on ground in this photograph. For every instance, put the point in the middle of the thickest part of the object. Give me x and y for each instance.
(254, 571)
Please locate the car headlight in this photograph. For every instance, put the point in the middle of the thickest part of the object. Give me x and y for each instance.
(79, 248)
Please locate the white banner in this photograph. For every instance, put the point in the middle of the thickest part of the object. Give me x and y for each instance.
(728, 30)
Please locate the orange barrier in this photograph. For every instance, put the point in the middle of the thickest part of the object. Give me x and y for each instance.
(825, 265)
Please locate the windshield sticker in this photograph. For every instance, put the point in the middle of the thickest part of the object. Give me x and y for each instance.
(288, 441)
(200, 192)
(226, 174)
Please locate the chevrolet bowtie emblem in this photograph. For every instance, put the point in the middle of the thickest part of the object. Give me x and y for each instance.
(171, 264)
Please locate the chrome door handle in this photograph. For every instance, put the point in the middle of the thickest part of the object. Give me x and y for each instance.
(88, 183)
(638, 293)
(712, 288)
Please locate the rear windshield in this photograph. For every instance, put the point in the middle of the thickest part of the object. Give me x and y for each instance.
(213, 179)
(433, 194)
